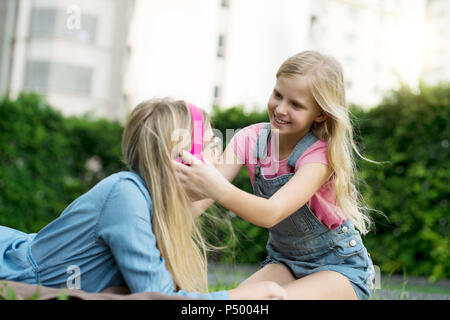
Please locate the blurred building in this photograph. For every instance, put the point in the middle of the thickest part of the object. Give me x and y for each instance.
(223, 52)
(174, 45)
(253, 39)
(212, 52)
(378, 42)
(7, 28)
(437, 42)
(73, 51)
(226, 52)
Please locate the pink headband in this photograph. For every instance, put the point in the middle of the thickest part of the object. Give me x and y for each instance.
(197, 134)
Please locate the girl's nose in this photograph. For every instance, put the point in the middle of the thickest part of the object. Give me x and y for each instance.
(281, 109)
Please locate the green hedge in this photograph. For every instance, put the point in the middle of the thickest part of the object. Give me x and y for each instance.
(45, 165)
(412, 132)
(44, 158)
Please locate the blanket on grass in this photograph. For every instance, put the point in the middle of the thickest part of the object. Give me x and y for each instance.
(12, 290)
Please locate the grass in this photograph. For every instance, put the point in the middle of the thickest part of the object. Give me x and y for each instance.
(7, 293)
(405, 287)
(222, 286)
(419, 289)
(401, 289)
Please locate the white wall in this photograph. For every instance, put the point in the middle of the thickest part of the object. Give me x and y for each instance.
(173, 50)
(437, 54)
(262, 34)
(379, 44)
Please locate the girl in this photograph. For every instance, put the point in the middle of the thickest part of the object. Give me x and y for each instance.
(134, 228)
(303, 175)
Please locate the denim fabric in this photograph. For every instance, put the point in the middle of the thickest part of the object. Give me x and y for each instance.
(304, 244)
(105, 234)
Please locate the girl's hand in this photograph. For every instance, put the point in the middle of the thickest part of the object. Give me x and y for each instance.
(258, 291)
(200, 180)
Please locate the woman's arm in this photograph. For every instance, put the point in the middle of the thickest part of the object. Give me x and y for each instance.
(125, 227)
(257, 210)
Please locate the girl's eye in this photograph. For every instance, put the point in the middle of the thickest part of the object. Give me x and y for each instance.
(276, 94)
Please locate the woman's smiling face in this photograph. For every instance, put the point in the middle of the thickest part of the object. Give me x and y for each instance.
(292, 108)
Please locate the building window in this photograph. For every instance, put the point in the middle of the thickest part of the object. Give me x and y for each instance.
(53, 22)
(312, 27)
(37, 75)
(43, 21)
(348, 85)
(216, 92)
(221, 46)
(59, 77)
(71, 79)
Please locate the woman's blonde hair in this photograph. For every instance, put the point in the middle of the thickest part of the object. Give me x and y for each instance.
(326, 82)
(148, 147)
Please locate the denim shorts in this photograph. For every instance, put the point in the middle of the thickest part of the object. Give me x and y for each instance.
(345, 254)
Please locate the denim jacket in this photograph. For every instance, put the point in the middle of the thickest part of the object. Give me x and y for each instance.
(102, 239)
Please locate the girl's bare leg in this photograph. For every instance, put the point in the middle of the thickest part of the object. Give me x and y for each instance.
(323, 285)
(271, 272)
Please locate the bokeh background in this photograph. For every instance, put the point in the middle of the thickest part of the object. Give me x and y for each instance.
(71, 71)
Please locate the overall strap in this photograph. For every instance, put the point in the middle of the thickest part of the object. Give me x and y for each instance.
(301, 147)
(262, 142)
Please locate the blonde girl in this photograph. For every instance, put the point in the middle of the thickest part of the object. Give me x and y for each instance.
(135, 228)
(303, 173)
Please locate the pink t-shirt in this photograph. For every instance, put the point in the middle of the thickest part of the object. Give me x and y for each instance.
(323, 203)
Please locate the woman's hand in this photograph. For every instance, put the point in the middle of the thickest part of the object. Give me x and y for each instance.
(200, 180)
(258, 291)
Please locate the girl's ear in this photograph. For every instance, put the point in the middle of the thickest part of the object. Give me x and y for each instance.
(321, 117)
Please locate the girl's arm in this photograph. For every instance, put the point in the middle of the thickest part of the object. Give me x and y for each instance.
(201, 206)
(229, 166)
(257, 210)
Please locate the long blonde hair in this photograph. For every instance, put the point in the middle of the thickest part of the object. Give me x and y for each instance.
(326, 82)
(148, 148)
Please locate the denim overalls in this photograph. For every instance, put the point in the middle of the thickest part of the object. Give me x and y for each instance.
(303, 243)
